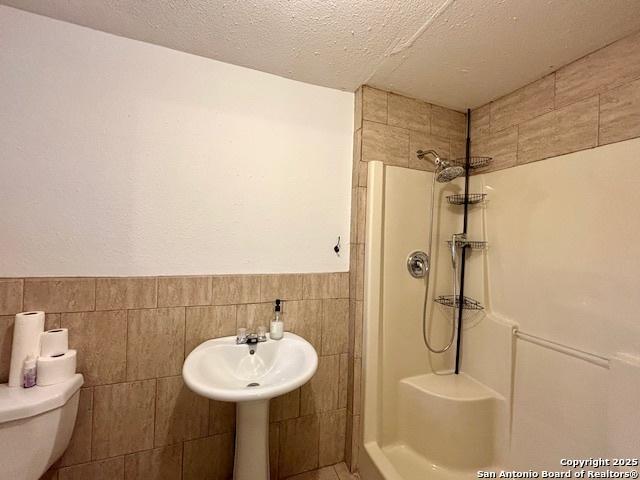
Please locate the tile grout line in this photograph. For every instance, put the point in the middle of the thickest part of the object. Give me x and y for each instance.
(126, 346)
(598, 121)
(95, 294)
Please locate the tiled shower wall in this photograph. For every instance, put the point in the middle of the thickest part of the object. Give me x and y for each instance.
(590, 102)
(389, 128)
(136, 418)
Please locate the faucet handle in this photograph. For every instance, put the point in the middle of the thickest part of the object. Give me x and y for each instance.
(241, 337)
(262, 333)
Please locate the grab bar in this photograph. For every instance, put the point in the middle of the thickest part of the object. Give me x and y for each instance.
(567, 350)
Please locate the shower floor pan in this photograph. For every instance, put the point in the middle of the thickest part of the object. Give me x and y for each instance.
(449, 426)
(410, 465)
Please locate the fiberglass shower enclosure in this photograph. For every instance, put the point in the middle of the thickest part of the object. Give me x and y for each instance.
(550, 367)
(420, 419)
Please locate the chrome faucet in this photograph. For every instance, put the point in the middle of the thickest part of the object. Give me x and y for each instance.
(251, 338)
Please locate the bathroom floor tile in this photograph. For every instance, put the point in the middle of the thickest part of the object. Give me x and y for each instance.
(326, 473)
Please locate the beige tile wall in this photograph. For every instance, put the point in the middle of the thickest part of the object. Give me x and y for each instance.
(590, 102)
(136, 418)
(390, 128)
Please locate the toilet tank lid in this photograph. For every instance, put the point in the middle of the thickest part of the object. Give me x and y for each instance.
(18, 402)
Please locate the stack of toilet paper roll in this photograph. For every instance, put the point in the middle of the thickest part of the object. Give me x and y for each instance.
(55, 364)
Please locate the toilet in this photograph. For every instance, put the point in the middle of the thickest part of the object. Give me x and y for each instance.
(35, 426)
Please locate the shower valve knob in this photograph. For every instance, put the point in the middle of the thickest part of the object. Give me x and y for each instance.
(418, 264)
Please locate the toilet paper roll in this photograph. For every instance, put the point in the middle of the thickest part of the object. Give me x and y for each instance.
(54, 342)
(56, 369)
(27, 329)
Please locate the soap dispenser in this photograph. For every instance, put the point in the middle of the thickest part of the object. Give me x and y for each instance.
(277, 325)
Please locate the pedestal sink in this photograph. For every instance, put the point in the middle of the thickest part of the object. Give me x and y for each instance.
(250, 375)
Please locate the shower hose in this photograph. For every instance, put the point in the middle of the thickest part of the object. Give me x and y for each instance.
(425, 335)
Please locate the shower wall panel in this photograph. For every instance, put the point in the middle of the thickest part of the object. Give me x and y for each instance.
(563, 263)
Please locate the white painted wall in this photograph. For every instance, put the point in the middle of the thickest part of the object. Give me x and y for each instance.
(124, 158)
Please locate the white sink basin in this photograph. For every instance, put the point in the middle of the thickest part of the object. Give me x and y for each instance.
(250, 375)
(221, 370)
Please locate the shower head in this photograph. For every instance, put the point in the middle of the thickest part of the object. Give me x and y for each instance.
(444, 171)
(446, 174)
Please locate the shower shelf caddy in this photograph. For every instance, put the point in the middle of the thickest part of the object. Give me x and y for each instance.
(474, 162)
(451, 301)
(472, 244)
(471, 198)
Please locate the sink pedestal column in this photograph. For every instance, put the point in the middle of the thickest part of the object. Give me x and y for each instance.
(252, 441)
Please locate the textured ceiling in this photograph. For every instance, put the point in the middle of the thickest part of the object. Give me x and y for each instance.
(457, 53)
